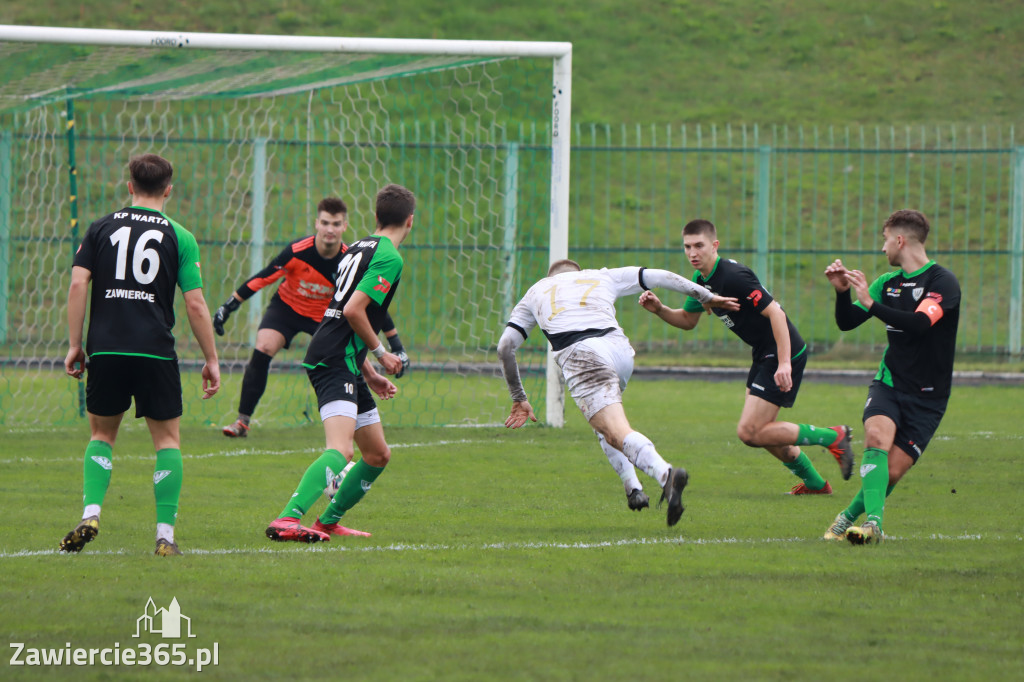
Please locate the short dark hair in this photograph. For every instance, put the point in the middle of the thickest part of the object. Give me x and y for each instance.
(394, 206)
(700, 226)
(151, 174)
(910, 221)
(564, 265)
(332, 205)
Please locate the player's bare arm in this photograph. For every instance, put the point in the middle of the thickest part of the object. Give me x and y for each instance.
(377, 382)
(78, 294)
(836, 274)
(677, 317)
(780, 330)
(521, 411)
(859, 283)
(202, 328)
(355, 314)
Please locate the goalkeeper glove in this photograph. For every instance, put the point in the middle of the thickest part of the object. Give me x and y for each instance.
(399, 351)
(223, 313)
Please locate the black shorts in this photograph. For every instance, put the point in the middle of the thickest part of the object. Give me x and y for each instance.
(280, 317)
(113, 380)
(916, 417)
(332, 383)
(761, 380)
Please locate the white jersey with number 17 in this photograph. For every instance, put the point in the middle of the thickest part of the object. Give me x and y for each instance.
(571, 302)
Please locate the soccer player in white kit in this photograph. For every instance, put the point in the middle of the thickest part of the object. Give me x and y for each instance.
(575, 310)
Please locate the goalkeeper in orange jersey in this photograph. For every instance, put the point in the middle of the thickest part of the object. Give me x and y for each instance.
(308, 267)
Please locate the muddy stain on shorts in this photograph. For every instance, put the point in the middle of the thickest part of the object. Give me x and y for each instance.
(592, 382)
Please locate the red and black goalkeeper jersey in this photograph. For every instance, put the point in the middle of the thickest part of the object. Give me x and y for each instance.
(308, 278)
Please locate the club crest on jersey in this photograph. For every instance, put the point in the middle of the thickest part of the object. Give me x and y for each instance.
(917, 293)
(384, 286)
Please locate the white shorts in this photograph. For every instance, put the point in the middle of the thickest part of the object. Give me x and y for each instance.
(597, 371)
(343, 408)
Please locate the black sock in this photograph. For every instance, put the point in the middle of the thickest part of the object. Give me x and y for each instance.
(254, 382)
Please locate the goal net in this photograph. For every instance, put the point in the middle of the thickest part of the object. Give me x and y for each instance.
(259, 129)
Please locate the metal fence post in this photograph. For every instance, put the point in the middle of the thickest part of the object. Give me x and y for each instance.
(259, 236)
(764, 196)
(6, 182)
(1016, 252)
(510, 201)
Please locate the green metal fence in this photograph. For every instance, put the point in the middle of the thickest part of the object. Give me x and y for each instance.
(787, 201)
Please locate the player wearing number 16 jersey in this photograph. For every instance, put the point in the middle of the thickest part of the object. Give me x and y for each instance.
(134, 259)
(576, 311)
(367, 279)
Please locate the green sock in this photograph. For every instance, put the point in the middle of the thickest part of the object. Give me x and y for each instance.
(167, 484)
(313, 483)
(802, 468)
(357, 482)
(856, 507)
(815, 435)
(96, 470)
(874, 475)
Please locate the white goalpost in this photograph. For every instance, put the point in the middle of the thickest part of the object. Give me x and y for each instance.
(260, 127)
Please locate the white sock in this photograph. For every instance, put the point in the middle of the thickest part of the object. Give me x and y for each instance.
(165, 531)
(622, 466)
(639, 449)
(91, 510)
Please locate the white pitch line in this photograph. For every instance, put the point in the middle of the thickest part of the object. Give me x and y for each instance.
(513, 546)
(244, 452)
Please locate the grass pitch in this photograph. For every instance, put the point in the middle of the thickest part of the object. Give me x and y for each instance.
(512, 555)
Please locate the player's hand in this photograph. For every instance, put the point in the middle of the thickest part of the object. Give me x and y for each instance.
(519, 414)
(223, 313)
(859, 283)
(211, 380)
(380, 385)
(76, 356)
(650, 301)
(723, 302)
(784, 377)
(404, 357)
(390, 362)
(836, 274)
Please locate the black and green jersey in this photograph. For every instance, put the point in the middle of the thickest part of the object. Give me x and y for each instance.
(373, 266)
(922, 312)
(137, 256)
(729, 278)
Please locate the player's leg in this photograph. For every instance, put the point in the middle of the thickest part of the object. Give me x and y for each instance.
(758, 417)
(106, 399)
(620, 354)
(269, 341)
(336, 395)
(167, 479)
(636, 498)
(911, 421)
(157, 390)
(759, 426)
(357, 481)
(881, 415)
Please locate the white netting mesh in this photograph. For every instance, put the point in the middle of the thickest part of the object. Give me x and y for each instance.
(451, 135)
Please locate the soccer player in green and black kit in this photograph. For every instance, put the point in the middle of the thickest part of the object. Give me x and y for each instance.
(134, 259)
(779, 357)
(920, 306)
(367, 278)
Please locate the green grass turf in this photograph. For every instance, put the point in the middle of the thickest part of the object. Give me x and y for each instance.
(511, 555)
(825, 62)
